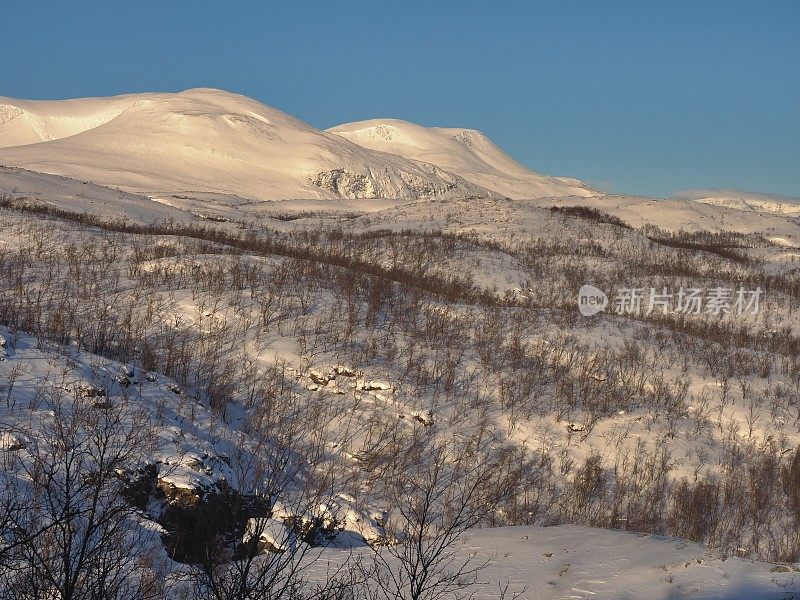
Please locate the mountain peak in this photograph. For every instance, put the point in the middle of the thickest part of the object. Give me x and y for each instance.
(466, 152)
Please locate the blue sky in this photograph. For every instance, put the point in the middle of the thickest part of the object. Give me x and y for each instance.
(638, 97)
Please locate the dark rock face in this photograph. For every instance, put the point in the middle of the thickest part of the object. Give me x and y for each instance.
(209, 524)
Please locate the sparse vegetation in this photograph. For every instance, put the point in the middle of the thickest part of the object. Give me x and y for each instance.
(553, 426)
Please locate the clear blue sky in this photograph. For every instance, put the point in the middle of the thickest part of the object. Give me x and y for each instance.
(642, 97)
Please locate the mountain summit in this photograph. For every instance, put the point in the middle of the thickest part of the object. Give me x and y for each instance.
(207, 140)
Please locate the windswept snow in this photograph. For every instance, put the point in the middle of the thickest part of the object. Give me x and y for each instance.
(73, 195)
(32, 121)
(744, 200)
(581, 563)
(466, 152)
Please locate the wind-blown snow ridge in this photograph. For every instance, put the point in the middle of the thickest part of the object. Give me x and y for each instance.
(209, 140)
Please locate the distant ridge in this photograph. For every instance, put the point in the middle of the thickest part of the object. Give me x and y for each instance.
(465, 152)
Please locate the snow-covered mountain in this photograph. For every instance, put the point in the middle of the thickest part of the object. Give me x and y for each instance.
(758, 203)
(207, 140)
(466, 152)
(210, 141)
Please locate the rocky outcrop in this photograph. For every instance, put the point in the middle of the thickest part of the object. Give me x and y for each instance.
(346, 184)
(200, 520)
(422, 180)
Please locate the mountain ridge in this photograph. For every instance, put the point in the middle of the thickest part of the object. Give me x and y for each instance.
(466, 152)
(210, 140)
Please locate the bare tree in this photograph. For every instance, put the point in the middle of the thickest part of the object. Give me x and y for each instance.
(76, 536)
(283, 488)
(451, 492)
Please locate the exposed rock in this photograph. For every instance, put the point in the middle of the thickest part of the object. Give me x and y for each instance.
(88, 390)
(418, 180)
(11, 442)
(372, 386)
(346, 184)
(272, 535)
(426, 418)
(179, 496)
(321, 377)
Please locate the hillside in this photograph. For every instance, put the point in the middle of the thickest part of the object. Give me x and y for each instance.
(349, 358)
(466, 152)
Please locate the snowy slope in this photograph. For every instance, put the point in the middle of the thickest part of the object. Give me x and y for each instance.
(570, 562)
(80, 196)
(210, 141)
(191, 450)
(691, 215)
(744, 200)
(580, 562)
(466, 152)
(791, 209)
(33, 121)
